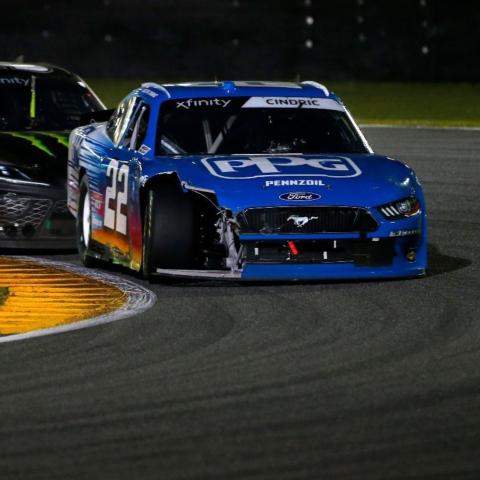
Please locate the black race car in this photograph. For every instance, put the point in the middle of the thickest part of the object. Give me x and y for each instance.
(39, 105)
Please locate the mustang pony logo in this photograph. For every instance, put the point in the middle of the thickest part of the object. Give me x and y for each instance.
(300, 221)
(239, 167)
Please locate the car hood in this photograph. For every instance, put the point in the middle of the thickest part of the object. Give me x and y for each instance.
(40, 155)
(241, 181)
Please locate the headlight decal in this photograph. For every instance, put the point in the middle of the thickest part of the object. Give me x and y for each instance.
(405, 208)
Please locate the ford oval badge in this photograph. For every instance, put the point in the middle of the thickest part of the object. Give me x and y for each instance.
(299, 196)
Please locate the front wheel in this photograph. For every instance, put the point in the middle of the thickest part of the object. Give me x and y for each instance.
(168, 230)
(84, 224)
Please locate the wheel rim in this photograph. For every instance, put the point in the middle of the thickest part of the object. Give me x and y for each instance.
(86, 219)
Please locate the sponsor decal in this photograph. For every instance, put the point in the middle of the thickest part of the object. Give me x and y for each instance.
(203, 102)
(144, 150)
(300, 221)
(62, 139)
(14, 81)
(404, 233)
(150, 93)
(299, 196)
(97, 222)
(300, 182)
(242, 168)
(97, 200)
(35, 140)
(293, 102)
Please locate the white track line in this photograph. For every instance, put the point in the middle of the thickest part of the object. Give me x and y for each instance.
(139, 299)
(419, 127)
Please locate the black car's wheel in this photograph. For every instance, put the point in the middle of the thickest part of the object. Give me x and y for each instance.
(83, 222)
(168, 229)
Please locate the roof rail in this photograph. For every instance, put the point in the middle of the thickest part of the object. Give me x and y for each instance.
(26, 66)
(157, 86)
(54, 67)
(317, 85)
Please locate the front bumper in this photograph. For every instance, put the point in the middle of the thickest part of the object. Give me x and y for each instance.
(393, 250)
(361, 268)
(280, 272)
(397, 249)
(399, 257)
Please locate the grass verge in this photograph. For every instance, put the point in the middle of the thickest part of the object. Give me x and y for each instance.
(4, 293)
(409, 104)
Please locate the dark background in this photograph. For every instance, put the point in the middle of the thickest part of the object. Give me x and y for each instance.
(407, 40)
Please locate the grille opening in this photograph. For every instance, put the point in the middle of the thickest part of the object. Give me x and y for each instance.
(29, 217)
(280, 220)
(358, 252)
(22, 211)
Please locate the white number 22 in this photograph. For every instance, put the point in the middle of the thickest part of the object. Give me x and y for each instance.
(114, 218)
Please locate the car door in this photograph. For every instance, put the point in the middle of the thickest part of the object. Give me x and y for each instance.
(139, 153)
(118, 178)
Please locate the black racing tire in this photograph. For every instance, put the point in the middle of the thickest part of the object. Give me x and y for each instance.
(168, 230)
(82, 242)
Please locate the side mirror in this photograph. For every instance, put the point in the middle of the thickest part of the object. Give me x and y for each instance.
(96, 117)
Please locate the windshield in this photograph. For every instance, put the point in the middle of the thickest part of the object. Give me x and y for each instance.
(37, 102)
(246, 125)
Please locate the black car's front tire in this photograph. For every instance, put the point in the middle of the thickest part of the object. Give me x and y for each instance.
(84, 224)
(168, 229)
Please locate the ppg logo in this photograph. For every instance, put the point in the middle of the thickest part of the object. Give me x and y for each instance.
(243, 168)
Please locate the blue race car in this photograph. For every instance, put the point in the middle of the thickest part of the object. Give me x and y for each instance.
(244, 180)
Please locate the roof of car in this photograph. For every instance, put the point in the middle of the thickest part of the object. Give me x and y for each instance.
(35, 68)
(239, 88)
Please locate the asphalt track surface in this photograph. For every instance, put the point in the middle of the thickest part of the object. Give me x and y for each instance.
(370, 380)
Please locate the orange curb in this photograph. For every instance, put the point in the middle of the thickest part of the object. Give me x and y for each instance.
(42, 296)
